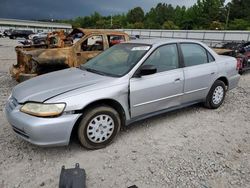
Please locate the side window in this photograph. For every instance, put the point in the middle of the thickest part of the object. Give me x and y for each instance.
(93, 43)
(164, 58)
(115, 39)
(194, 54)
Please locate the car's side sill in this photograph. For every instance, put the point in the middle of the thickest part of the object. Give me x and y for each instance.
(141, 117)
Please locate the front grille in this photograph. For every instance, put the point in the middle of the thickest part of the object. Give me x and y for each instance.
(20, 132)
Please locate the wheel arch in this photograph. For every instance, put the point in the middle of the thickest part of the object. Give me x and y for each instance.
(224, 80)
(106, 102)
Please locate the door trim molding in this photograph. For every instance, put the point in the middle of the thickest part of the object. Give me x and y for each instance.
(157, 100)
(169, 97)
(193, 91)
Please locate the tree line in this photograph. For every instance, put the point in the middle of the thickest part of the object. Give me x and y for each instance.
(205, 14)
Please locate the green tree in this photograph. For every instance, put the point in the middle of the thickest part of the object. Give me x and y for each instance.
(179, 15)
(101, 24)
(135, 15)
(138, 25)
(119, 21)
(205, 14)
(215, 25)
(239, 24)
(169, 25)
(240, 9)
(156, 17)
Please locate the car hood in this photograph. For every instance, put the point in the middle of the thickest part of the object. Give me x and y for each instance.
(44, 87)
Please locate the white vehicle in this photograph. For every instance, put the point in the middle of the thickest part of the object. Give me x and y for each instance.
(126, 83)
(1, 34)
(38, 35)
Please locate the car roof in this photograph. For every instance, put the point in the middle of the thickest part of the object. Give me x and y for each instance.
(98, 31)
(160, 41)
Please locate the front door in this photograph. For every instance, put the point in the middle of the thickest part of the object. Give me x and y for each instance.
(152, 93)
(89, 48)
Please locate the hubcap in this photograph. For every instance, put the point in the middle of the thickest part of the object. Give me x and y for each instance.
(218, 95)
(100, 128)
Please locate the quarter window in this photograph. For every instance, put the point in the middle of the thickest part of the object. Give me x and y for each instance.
(194, 54)
(164, 58)
(210, 57)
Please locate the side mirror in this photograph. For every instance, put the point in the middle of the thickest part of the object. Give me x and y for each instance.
(146, 70)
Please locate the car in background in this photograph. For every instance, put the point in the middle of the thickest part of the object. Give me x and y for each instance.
(7, 32)
(1, 34)
(128, 82)
(38, 35)
(20, 34)
(60, 51)
(239, 50)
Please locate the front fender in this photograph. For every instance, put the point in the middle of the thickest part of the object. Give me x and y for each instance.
(78, 99)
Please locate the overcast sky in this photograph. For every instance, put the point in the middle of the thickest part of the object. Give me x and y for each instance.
(65, 9)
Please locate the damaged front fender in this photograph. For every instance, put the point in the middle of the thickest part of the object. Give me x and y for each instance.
(31, 63)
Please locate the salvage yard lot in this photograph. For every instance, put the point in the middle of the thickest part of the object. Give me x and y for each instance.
(191, 147)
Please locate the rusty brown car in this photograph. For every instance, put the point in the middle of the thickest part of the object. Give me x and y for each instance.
(62, 51)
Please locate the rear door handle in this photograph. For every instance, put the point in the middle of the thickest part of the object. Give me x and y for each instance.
(212, 72)
(78, 54)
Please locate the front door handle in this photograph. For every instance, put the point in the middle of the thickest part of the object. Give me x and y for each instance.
(78, 54)
(177, 80)
(212, 72)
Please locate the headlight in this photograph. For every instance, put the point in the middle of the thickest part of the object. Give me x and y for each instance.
(43, 109)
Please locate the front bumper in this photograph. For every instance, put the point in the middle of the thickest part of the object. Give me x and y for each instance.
(40, 131)
(19, 75)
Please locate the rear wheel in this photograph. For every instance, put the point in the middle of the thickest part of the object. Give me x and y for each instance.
(99, 127)
(240, 71)
(216, 95)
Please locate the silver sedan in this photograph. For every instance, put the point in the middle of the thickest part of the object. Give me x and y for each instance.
(126, 83)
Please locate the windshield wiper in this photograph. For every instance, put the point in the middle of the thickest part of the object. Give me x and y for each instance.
(95, 71)
(98, 72)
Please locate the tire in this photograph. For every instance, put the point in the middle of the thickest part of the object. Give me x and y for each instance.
(88, 133)
(24, 77)
(241, 71)
(218, 89)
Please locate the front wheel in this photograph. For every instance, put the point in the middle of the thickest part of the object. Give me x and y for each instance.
(216, 95)
(99, 127)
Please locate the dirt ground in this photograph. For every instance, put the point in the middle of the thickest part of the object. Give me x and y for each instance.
(191, 147)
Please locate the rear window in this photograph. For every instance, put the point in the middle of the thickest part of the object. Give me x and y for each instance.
(115, 39)
(195, 54)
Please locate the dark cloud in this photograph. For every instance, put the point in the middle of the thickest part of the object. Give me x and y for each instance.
(65, 9)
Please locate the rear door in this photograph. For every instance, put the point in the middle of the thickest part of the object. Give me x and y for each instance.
(200, 71)
(161, 90)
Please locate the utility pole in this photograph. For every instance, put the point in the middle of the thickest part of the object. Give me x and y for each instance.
(111, 21)
(228, 14)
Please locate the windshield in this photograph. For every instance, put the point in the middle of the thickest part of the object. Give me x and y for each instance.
(117, 60)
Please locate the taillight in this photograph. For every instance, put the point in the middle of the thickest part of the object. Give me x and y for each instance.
(239, 64)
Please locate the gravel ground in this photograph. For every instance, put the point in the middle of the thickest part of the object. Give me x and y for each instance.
(191, 147)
